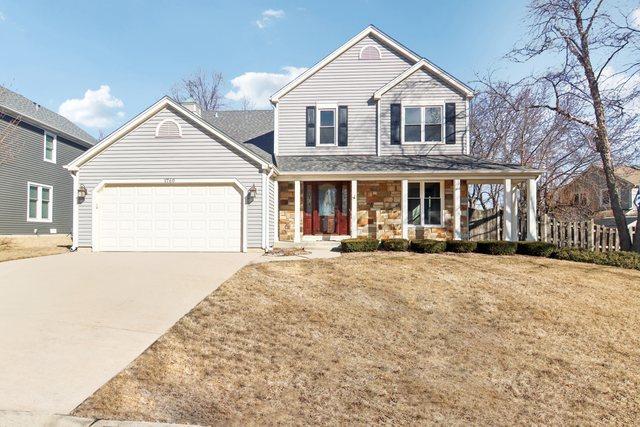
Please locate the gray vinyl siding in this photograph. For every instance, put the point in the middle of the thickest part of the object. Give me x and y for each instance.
(346, 80)
(197, 155)
(27, 165)
(422, 88)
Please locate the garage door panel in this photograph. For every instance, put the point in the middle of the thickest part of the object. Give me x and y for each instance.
(170, 218)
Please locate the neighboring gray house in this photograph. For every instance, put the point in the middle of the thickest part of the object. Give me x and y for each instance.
(35, 190)
(371, 141)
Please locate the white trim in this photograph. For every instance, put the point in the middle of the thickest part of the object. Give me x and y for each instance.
(150, 112)
(165, 121)
(276, 130)
(457, 229)
(378, 149)
(54, 151)
(75, 211)
(319, 109)
(515, 195)
(276, 212)
(39, 188)
(403, 209)
(367, 47)
(296, 211)
(354, 209)
(466, 130)
(424, 64)
(263, 208)
(480, 174)
(95, 220)
(370, 30)
(506, 212)
(422, 224)
(422, 105)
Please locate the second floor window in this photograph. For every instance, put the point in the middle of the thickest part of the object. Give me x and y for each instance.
(423, 124)
(327, 128)
(50, 142)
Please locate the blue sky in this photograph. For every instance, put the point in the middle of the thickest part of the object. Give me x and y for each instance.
(56, 51)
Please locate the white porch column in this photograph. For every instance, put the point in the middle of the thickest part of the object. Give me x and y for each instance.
(515, 193)
(532, 210)
(354, 209)
(506, 214)
(276, 213)
(403, 207)
(457, 230)
(296, 212)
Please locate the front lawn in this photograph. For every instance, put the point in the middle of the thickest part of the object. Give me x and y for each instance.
(396, 338)
(33, 246)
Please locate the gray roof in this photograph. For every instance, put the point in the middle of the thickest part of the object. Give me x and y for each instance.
(33, 112)
(253, 128)
(418, 163)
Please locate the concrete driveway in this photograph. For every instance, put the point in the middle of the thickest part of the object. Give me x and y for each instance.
(68, 323)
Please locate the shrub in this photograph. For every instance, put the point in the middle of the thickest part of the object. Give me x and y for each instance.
(394, 245)
(359, 245)
(496, 247)
(542, 249)
(461, 246)
(427, 246)
(615, 259)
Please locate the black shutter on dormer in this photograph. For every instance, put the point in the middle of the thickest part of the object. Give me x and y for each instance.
(450, 122)
(311, 127)
(343, 126)
(396, 120)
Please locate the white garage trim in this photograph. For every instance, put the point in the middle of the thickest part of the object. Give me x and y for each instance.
(95, 194)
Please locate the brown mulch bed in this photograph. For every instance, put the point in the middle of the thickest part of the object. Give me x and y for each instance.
(396, 338)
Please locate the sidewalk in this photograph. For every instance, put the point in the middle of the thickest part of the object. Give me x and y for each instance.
(35, 419)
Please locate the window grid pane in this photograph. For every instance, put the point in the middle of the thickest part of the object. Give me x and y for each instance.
(432, 115)
(327, 127)
(432, 203)
(413, 205)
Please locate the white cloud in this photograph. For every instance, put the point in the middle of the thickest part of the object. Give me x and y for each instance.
(635, 18)
(97, 109)
(2, 17)
(623, 85)
(258, 87)
(268, 16)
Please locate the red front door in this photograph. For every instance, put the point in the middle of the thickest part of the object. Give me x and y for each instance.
(326, 208)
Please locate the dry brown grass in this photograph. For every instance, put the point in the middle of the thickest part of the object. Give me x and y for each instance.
(32, 246)
(396, 338)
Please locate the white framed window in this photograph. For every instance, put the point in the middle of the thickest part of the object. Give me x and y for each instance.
(50, 147)
(168, 128)
(422, 124)
(39, 202)
(425, 203)
(327, 128)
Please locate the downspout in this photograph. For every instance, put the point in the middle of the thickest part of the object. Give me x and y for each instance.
(74, 216)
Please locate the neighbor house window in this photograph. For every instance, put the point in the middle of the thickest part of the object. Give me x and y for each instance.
(423, 124)
(39, 205)
(327, 128)
(424, 203)
(50, 142)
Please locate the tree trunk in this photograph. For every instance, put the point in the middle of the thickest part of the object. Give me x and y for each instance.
(603, 145)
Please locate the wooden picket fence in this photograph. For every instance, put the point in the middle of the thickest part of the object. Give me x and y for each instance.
(487, 225)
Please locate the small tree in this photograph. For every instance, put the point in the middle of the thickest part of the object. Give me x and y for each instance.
(9, 144)
(587, 39)
(203, 87)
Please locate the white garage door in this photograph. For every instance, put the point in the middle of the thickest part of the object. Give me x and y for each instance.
(169, 218)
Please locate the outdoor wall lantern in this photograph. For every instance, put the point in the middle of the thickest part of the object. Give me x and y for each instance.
(252, 192)
(82, 192)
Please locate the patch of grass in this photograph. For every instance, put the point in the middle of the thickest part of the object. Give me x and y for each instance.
(12, 248)
(396, 338)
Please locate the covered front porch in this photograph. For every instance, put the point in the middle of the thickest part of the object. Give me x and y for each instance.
(420, 206)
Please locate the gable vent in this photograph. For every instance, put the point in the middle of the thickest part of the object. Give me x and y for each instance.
(370, 53)
(168, 128)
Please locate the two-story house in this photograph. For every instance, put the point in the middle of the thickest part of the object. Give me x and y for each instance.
(371, 141)
(36, 194)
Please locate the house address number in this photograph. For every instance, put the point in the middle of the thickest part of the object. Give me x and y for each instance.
(169, 180)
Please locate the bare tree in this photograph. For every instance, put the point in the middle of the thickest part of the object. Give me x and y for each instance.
(9, 144)
(588, 39)
(247, 104)
(504, 127)
(203, 87)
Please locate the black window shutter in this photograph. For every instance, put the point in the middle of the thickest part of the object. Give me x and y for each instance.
(343, 124)
(395, 124)
(450, 122)
(311, 127)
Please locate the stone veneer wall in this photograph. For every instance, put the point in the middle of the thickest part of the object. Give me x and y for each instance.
(379, 211)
